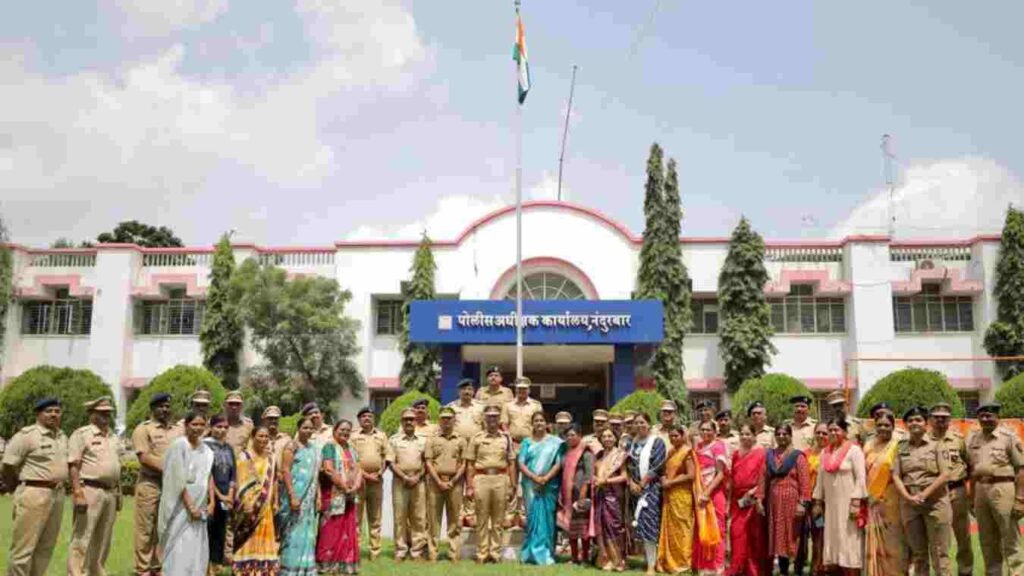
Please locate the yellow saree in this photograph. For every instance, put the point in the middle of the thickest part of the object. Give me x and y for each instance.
(675, 545)
(884, 534)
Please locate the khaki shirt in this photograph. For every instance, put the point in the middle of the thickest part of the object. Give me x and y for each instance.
(490, 451)
(40, 453)
(503, 396)
(239, 434)
(98, 454)
(662, 432)
(765, 438)
(518, 417)
(371, 448)
(803, 434)
(325, 435)
(956, 449)
(153, 438)
(426, 430)
(999, 455)
(919, 466)
(731, 441)
(278, 445)
(445, 453)
(469, 420)
(407, 453)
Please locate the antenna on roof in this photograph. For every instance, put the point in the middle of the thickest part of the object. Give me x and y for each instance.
(565, 131)
(887, 163)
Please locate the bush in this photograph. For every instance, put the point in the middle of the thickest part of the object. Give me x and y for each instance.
(390, 420)
(73, 387)
(129, 476)
(1011, 396)
(289, 425)
(774, 390)
(911, 387)
(180, 382)
(647, 401)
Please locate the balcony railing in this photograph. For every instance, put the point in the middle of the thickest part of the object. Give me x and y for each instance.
(934, 253)
(804, 254)
(170, 259)
(287, 259)
(63, 260)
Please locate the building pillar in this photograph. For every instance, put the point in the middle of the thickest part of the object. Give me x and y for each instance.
(110, 341)
(451, 372)
(623, 376)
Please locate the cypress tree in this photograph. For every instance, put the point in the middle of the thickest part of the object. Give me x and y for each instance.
(647, 284)
(6, 282)
(419, 364)
(220, 334)
(1005, 336)
(746, 328)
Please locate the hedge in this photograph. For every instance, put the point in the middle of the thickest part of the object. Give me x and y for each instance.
(774, 390)
(647, 401)
(1011, 396)
(180, 382)
(73, 387)
(390, 420)
(911, 387)
(289, 425)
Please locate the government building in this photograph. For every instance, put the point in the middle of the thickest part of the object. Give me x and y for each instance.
(846, 311)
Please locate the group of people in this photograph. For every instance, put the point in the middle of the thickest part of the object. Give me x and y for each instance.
(837, 497)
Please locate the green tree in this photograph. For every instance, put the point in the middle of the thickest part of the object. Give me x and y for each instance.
(746, 329)
(419, 363)
(1011, 396)
(299, 327)
(135, 232)
(647, 401)
(774, 390)
(180, 382)
(73, 387)
(6, 281)
(221, 334)
(1005, 336)
(391, 418)
(909, 387)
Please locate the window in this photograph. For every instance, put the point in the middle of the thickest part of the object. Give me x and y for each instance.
(931, 312)
(62, 316)
(381, 400)
(389, 317)
(698, 397)
(803, 313)
(176, 316)
(705, 316)
(971, 400)
(547, 286)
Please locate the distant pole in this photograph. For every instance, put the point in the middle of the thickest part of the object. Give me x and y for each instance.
(889, 180)
(565, 131)
(519, 228)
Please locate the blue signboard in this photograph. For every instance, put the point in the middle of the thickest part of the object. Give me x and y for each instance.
(544, 321)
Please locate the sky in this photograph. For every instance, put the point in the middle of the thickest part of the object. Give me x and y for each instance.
(311, 121)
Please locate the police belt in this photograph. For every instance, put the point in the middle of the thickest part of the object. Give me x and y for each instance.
(957, 484)
(47, 484)
(99, 484)
(148, 475)
(994, 479)
(491, 471)
(445, 477)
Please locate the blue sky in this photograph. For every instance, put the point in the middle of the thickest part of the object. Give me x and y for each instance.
(308, 122)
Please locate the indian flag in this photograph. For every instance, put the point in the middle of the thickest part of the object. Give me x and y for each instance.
(519, 55)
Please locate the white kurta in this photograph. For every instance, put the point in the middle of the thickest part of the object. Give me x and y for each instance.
(844, 543)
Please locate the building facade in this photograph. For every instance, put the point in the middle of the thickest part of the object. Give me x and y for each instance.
(845, 311)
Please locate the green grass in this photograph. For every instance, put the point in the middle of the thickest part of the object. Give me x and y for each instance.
(120, 561)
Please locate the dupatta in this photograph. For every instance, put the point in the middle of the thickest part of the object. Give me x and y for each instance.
(708, 533)
(256, 491)
(880, 475)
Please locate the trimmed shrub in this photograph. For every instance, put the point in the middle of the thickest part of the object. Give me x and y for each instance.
(1011, 396)
(911, 387)
(390, 420)
(647, 401)
(289, 425)
(129, 476)
(774, 390)
(73, 387)
(180, 382)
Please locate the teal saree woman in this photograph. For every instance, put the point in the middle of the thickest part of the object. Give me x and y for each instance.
(298, 506)
(540, 464)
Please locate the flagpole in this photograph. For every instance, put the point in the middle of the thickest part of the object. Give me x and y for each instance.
(519, 225)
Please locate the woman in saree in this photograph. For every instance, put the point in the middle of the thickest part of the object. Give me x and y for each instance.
(747, 530)
(786, 494)
(256, 549)
(837, 497)
(712, 468)
(223, 490)
(609, 495)
(337, 548)
(675, 547)
(647, 463)
(813, 532)
(574, 501)
(185, 502)
(300, 467)
(540, 465)
(884, 534)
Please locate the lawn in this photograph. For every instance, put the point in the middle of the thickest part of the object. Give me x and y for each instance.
(120, 562)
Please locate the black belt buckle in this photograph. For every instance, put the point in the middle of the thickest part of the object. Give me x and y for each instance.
(956, 484)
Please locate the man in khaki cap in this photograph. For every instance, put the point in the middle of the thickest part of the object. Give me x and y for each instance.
(667, 415)
(856, 429)
(494, 394)
(36, 461)
(563, 420)
(705, 412)
(239, 426)
(956, 447)
(446, 464)
(628, 430)
(150, 440)
(491, 478)
(198, 403)
(802, 423)
(271, 418)
(94, 463)
(373, 450)
(600, 418)
(469, 421)
(424, 427)
(408, 490)
(517, 416)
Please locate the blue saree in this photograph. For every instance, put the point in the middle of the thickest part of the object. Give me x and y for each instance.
(298, 527)
(541, 501)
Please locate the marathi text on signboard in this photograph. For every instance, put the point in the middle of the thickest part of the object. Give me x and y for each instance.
(604, 323)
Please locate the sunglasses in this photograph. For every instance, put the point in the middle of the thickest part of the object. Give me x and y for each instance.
(408, 419)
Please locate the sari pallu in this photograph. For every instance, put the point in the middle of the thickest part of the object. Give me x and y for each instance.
(185, 542)
(884, 534)
(337, 547)
(786, 485)
(223, 475)
(255, 539)
(709, 549)
(609, 502)
(675, 546)
(647, 460)
(540, 501)
(577, 471)
(298, 527)
(747, 534)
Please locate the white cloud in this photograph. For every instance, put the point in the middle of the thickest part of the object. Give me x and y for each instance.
(149, 18)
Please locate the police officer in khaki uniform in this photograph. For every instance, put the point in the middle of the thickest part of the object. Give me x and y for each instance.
(802, 423)
(322, 433)
(94, 462)
(704, 411)
(469, 421)
(494, 394)
(628, 430)
(764, 435)
(150, 440)
(516, 416)
(726, 434)
(271, 418)
(424, 427)
(408, 490)
(491, 476)
(239, 426)
(600, 418)
(996, 461)
(667, 415)
(955, 446)
(615, 423)
(373, 450)
(199, 403)
(920, 472)
(36, 461)
(856, 430)
(446, 465)
(563, 421)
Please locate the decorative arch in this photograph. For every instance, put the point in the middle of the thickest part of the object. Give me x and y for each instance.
(545, 264)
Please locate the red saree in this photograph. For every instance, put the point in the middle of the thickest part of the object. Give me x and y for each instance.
(747, 532)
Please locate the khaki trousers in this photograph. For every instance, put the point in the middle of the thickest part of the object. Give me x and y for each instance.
(491, 495)
(927, 530)
(147, 509)
(410, 505)
(998, 532)
(37, 516)
(371, 500)
(91, 531)
(961, 509)
(445, 504)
